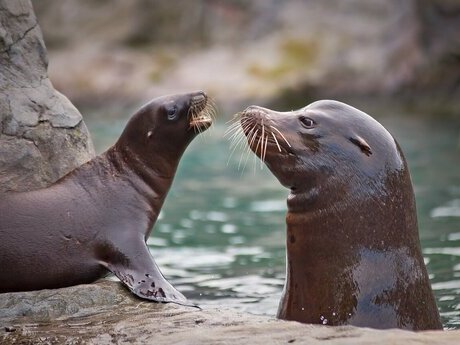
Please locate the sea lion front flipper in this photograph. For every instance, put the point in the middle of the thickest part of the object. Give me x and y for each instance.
(143, 277)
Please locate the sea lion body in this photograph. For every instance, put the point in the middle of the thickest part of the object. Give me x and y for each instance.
(353, 250)
(98, 217)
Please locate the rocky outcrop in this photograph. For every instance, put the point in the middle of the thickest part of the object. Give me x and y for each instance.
(42, 135)
(106, 313)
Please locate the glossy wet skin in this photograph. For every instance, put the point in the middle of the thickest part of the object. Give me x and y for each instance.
(97, 218)
(353, 252)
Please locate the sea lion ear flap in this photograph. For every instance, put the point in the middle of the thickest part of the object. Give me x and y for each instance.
(362, 144)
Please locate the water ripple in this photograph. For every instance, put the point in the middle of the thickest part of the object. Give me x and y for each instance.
(450, 209)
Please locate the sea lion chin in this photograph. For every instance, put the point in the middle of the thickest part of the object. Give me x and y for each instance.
(353, 250)
(98, 217)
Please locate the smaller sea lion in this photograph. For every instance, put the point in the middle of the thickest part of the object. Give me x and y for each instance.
(98, 217)
(353, 250)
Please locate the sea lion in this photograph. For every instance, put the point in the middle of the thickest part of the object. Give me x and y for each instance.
(98, 217)
(353, 250)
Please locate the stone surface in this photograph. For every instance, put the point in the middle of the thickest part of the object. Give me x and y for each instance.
(42, 135)
(106, 313)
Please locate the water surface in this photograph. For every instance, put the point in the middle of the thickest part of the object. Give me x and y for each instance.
(220, 237)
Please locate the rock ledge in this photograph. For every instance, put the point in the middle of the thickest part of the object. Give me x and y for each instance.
(106, 313)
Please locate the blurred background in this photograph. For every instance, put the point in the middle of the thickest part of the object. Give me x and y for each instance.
(220, 238)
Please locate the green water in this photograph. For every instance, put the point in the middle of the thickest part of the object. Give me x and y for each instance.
(220, 237)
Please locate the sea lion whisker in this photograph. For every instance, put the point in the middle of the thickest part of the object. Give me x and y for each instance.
(211, 111)
(230, 134)
(255, 164)
(212, 103)
(263, 129)
(247, 153)
(245, 121)
(247, 128)
(234, 120)
(240, 160)
(192, 111)
(196, 128)
(233, 127)
(206, 114)
(242, 153)
(233, 149)
(253, 138)
(248, 147)
(239, 132)
(250, 142)
(262, 145)
(201, 112)
(257, 147)
(276, 141)
(237, 141)
(231, 154)
(276, 129)
(265, 151)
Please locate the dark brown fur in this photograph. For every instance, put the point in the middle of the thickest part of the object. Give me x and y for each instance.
(353, 250)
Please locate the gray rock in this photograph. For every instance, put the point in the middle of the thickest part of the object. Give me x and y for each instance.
(42, 135)
(106, 313)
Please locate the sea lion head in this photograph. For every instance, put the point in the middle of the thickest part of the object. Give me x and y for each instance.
(165, 126)
(326, 142)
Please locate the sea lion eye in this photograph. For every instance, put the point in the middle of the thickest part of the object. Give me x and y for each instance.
(307, 122)
(171, 112)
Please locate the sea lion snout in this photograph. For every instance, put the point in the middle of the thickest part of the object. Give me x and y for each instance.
(255, 112)
(253, 108)
(199, 97)
(254, 117)
(201, 111)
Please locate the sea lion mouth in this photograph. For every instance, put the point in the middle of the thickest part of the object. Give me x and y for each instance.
(201, 112)
(254, 130)
(262, 134)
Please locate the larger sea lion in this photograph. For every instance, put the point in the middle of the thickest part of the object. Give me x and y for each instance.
(98, 217)
(353, 250)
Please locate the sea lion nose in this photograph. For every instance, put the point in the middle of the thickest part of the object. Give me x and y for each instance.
(252, 108)
(256, 112)
(199, 96)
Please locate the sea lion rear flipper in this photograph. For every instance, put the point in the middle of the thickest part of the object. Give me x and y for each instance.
(143, 277)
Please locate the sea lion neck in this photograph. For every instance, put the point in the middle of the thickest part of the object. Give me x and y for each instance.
(140, 174)
(316, 194)
(161, 165)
